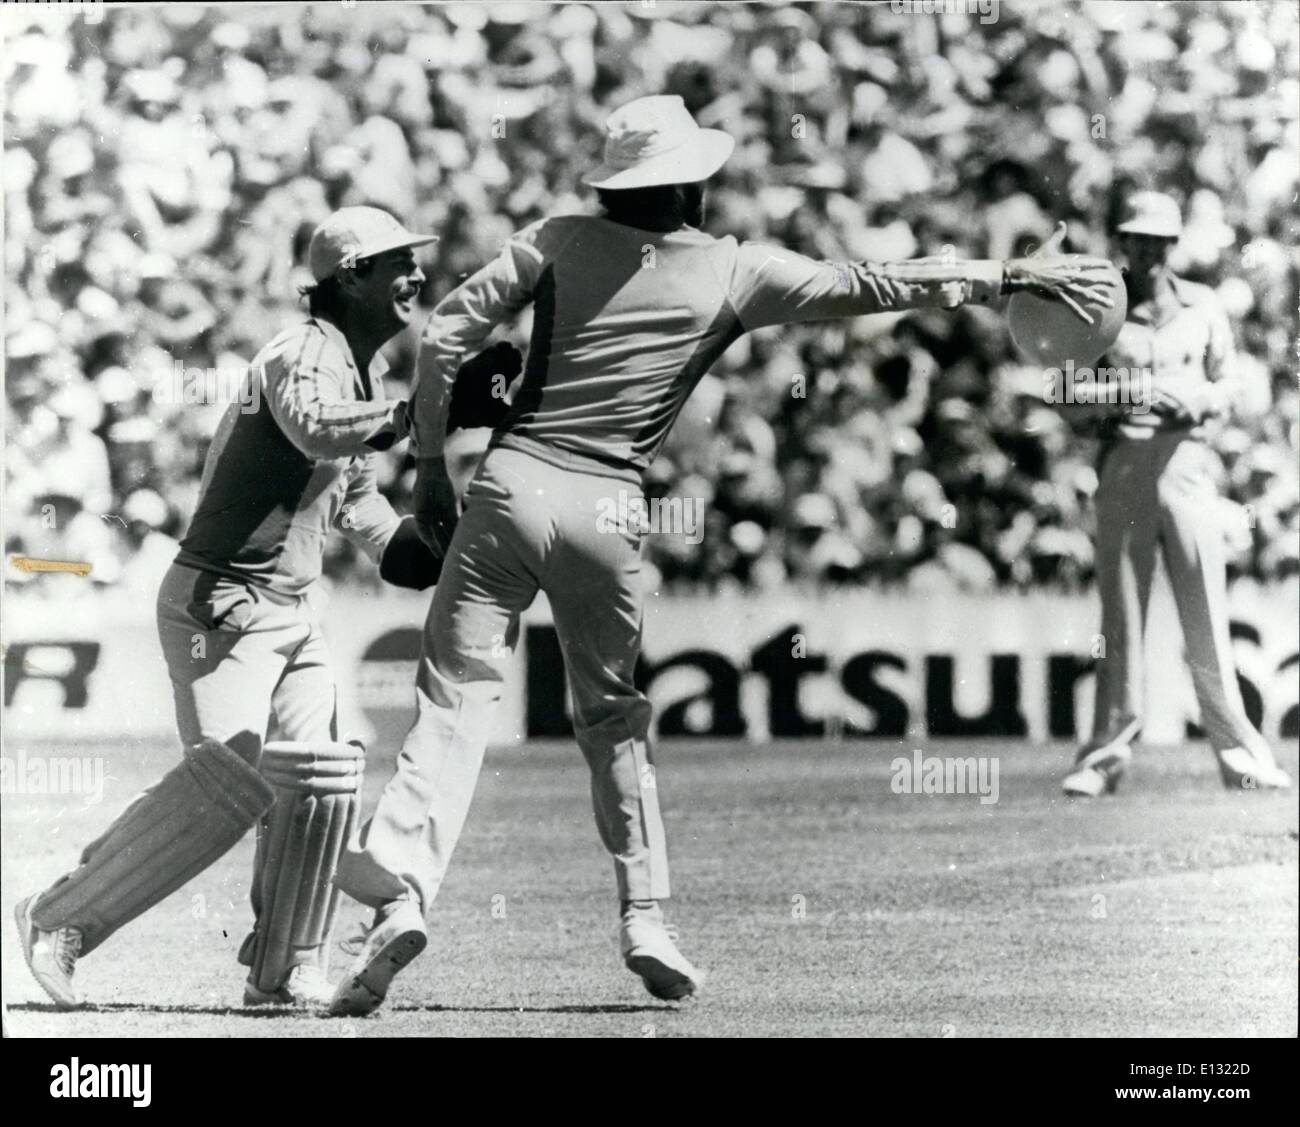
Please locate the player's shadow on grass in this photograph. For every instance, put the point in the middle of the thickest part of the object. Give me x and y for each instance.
(289, 1011)
(610, 1008)
(214, 1010)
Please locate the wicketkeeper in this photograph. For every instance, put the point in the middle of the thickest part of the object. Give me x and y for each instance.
(243, 643)
(631, 308)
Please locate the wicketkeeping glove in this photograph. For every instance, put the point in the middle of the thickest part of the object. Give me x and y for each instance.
(407, 561)
(478, 395)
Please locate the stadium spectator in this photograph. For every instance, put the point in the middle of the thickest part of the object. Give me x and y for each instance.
(162, 169)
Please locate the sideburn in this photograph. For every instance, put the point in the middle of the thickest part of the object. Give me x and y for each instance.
(690, 204)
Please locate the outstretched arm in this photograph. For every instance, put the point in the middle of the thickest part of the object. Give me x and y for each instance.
(773, 286)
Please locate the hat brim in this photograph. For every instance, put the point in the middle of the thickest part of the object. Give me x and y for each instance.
(1154, 228)
(696, 160)
(397, 242)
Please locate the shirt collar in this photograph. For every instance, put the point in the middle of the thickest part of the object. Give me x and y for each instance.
(378, 366)
(1179, 288)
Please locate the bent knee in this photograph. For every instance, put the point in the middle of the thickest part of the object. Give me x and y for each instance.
(451, 683)
(626, 713)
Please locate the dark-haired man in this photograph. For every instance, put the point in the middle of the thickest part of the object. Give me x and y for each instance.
(292, 458)
(631, 309)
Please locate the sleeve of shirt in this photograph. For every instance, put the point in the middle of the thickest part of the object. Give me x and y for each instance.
(1224, 390)
(460, 325)
(1221, 352)
(1098, 414)
(774, 286)
(366, 518)
(304, 390)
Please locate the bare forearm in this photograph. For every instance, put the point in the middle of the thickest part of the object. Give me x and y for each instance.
(775, 286)
(856, 288)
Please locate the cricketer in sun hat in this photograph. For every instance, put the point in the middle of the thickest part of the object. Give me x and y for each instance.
(1151, 213)
(353, 233)
(655, 140)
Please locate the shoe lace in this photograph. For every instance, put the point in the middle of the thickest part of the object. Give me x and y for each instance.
(67, 948)
(351, 946)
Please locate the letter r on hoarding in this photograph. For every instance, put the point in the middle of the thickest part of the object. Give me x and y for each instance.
(69, 664)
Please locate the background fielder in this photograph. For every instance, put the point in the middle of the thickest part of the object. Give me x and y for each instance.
(1157, 495)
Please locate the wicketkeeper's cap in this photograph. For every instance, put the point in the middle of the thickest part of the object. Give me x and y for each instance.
(354, 233)
(654, 141)
(1151, 213)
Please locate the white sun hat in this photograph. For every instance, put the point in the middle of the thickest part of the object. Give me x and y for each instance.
(1151, 213)
(654, 141)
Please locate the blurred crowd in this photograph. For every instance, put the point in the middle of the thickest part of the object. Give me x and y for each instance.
(165, 165)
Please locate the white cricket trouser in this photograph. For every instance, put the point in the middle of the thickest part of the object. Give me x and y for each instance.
(527, 526)
(245, 664)
(241, 658)
(1159, 494)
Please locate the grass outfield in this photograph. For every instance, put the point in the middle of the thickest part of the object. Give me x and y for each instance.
(1169, 909)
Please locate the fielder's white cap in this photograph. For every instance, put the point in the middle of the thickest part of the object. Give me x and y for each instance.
(1151, 213)
(353, 233)
(655, 141)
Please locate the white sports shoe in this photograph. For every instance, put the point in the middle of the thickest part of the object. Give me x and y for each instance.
(396, 937)
(305, 986)
(648, 951)
(51, 956)
(1098, 772)
(1244, 769)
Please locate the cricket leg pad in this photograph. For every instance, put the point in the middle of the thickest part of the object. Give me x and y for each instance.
(317, 807)
(195, 814)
